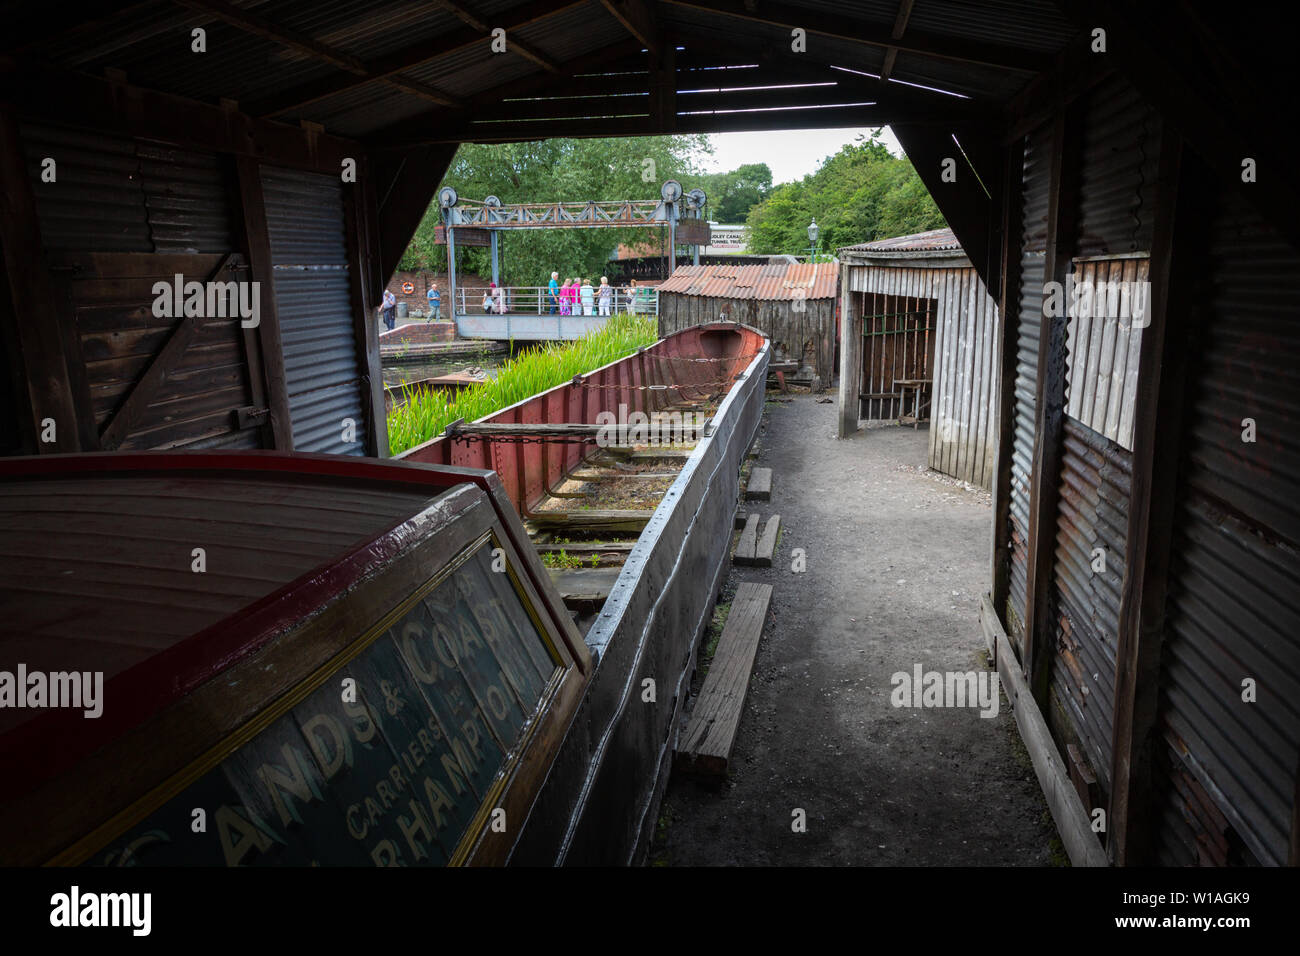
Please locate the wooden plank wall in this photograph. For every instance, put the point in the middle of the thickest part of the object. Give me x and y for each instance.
(965, 372)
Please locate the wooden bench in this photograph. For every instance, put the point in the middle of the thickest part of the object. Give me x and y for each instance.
(705, 748)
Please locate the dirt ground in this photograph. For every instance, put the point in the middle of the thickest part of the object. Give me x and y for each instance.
(897, 558)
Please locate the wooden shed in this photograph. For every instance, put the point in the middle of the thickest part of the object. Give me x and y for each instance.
(793, 303)
(921, 342)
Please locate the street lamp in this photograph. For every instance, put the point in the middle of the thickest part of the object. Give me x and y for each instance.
(812, 239)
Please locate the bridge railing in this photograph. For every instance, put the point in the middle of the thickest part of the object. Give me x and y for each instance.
(539, 300)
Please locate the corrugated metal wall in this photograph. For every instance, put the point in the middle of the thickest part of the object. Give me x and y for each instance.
(305, 220)
(1036, 183)
(117, 194)
(961, 360)
(1092, 516)
(1121, 146)
(1234, 599)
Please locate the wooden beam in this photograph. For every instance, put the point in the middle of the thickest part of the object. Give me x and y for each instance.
(963, 202)
(45, 377)
(850, 357)
(638, 18)
(1068, 812)
(1008, 336)
(257, 25)
(358, 207)
(257, 243)
(1179, 252)
(118, 428)
(404, 184)
(856, 30)
(900, 25)
(1062, 214)
(36, 92)
(414, 55)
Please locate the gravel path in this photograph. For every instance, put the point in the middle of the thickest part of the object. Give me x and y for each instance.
(897, 558)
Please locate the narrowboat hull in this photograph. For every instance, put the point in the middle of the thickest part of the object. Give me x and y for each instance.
(317, 659)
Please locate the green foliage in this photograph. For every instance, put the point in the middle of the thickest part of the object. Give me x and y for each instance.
(428, 412)
(861, 193)
(733, 194)
(557, 170)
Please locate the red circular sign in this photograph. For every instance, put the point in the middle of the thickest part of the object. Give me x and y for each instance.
(408, 288)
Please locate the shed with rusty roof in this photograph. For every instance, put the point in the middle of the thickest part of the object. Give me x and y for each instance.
(793, 303)
(924, 333)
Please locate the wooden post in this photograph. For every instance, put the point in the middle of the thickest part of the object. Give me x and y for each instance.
(358, 207)
(257, 242)
(850, 356)
(1179, 246)
(45, 376)
(1062, 213)
(1008, 326)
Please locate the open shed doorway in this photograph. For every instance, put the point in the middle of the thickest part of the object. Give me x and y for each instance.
(897, 358)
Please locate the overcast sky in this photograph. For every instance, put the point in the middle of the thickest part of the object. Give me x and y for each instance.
(791, 154)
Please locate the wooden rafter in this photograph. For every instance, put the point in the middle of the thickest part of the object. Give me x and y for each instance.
(412, 56)
(476, 22)
(639, 19)
(855, 30)
(900, 24)
(257, 25)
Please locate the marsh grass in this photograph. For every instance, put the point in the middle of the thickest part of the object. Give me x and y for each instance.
(429, 411)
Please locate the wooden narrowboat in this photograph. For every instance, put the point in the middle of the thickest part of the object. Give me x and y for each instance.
(287, 659)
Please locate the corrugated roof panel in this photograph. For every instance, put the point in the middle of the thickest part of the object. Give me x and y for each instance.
(773, 281)
(1034, 24)
(932, 241)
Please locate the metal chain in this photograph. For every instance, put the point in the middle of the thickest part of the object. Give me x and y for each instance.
(527, 439)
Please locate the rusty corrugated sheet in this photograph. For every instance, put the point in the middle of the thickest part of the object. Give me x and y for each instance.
(1034, 197)
(304, 215)
(96, 201)
(1121, 143)
(935, 240)
(1092, 527)
(1234, 598)
(773, 281)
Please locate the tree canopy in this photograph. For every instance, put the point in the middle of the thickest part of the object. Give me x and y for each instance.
(733, 194)
(558, 170)
(861, 193)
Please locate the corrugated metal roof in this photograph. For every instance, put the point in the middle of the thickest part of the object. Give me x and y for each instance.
(774, 281)
(936, 240)
(263, 65)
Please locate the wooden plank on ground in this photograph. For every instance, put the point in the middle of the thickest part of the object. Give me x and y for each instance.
(591, 519)
(586, 547)
(767, 542)
(706, 747)
(760, 485)
(582, 585)
(748, 543)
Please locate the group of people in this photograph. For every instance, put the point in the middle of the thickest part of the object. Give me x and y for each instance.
(579, 297)
(574, 296)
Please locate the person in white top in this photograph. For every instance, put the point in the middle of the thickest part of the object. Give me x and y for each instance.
(604, 295)
(588, 298)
